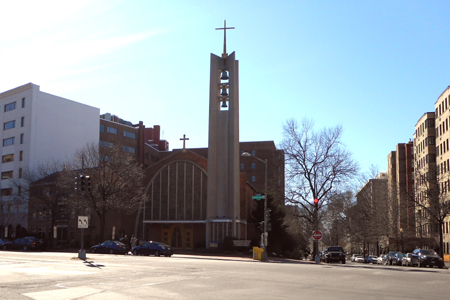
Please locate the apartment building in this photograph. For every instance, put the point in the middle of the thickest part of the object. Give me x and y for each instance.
(401, 191)
(442, 120)
(38, 128)
(425, 171)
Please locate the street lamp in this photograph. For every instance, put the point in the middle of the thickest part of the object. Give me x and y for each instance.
(401, 233)
(264, 254)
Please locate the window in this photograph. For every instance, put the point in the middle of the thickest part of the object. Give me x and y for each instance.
(7, 175)
(6, 192)
(253, 178)
(20, 172)
(9, 125)
(21, 156)
(8, 141)
(22, 122)
(253, 165)
(106, 144)
(102, 128)
(7, 158)
(242, 166)
(130, 135)
(253, 152)
(19, 192)
(111, 130)
(23, 102)
(21, 138)
(10, 106)
(129, 149)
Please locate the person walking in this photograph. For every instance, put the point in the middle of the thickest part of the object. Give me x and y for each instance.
(133, 241)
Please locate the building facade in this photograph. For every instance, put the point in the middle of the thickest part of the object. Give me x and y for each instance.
(425, 171)
(38, 129)
(442, 120)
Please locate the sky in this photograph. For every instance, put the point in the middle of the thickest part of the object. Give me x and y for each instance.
(373, 67)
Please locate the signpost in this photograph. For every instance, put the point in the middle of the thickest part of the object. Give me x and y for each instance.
(83, 222)
(258, 197)
(317, 235)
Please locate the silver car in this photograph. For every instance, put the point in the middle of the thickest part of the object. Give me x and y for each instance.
(410, 260)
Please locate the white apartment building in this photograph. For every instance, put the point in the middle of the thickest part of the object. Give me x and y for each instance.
(37, 128)
(442, 113)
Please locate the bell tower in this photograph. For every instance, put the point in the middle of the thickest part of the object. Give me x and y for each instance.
(223, 192)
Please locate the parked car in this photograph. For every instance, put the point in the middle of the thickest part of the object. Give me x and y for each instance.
(428, 257)
(359, 258)
(389, 257)
(353, 257)
(2, 241)
(372, 259)
(20, 243)
(111, 247)
(40, 244)
(381, 259)
(397, 259)
(154, 248)
(410, 260)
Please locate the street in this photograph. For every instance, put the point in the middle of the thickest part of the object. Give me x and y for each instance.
(53, 275)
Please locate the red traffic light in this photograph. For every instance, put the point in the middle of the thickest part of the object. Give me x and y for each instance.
(316, 201)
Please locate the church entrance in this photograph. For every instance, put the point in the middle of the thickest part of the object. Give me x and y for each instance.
(178, 235)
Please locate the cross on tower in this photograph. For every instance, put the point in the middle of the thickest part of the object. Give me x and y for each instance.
(225, 54)
(184, 139)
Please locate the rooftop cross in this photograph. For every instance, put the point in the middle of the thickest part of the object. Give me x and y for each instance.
(184, 139)
(225, 54)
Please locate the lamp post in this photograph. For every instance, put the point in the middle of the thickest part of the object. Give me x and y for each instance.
(401, 233)
(264, 254)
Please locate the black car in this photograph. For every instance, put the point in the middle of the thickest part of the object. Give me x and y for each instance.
(111, 247)
(334, 253)
(155, 248)
(20, 243)
(428, 258)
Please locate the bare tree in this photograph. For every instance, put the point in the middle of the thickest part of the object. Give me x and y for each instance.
(116, 181)
(432, 201)
(317, 165)
(43, 189)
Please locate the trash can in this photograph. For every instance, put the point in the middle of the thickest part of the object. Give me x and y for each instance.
(255, 253)
(260, 252)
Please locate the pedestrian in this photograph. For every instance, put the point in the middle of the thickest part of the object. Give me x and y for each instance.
(126, 241)
(133, 241)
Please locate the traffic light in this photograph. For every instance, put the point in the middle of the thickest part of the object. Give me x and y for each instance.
(316, 202)
(269, 226)
(88, 183)
(77, 183)
(82, 183)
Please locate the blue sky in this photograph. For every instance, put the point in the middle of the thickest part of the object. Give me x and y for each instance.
(373, 67)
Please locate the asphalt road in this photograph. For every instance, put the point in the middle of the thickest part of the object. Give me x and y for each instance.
(35, 275)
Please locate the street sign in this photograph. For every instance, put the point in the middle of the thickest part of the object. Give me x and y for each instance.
(83, 222)
(317, 235)
(258, 197)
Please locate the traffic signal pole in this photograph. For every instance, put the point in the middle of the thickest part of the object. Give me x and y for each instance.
(82, 252)
(316, 227)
